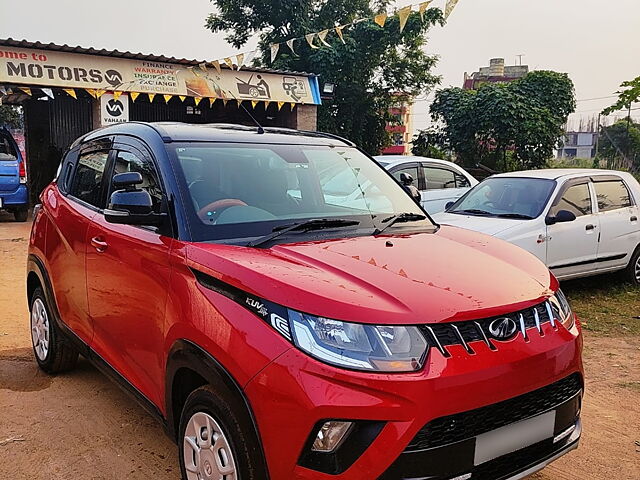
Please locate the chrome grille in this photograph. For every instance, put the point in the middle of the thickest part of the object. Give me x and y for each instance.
(528, 322)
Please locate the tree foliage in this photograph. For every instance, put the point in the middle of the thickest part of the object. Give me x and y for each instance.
(369, 69)
(626, 97)
(11, 116)
(619, 140)
(503, 125)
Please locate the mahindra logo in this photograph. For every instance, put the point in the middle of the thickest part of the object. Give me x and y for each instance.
(113, 77)
(114, 107)
(503, 328)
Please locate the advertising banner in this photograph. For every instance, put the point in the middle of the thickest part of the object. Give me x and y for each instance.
(74, 70)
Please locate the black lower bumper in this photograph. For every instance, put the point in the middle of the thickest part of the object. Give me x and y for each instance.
(455, 461)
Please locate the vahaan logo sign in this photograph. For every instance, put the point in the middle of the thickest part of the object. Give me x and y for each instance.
(113, 77)
(114, 107)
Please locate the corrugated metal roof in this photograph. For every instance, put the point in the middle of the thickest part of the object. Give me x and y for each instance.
(10, 42)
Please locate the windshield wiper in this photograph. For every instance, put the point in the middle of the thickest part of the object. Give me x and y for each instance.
(473, 211)
(515, 215)
(400, 218)
(305, 226)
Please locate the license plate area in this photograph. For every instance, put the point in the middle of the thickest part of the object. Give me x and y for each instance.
(513, 437)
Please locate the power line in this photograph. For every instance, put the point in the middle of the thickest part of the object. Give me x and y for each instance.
(596, 98)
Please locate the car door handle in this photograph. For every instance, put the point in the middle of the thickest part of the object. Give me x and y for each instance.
(634, 219)
(590, 227)
(99, 244)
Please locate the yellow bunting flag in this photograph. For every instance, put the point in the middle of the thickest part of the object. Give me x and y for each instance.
(274, 51)
(293, 105)
(26, 90)
(211, 101)
(403, 15)
(167, 98)
(71, 92)
(91, 92)
(99, 93)
(254, 103)
(197, 100)
(423, 8)
(280, 104)
(451, 4)
(240, 60)
(309, 37)
(266, 104)
(203, 67)
(151, 96)
(290, 45)
(322, 35)
(339, 32)
(216, 65)
(229, 62)
(182, 98)
(224, 102)
(380, 19)
(116, 95)
(134, 96)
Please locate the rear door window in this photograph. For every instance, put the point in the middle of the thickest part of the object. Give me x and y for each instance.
(612, 195)
(87, 180)
(439, 178)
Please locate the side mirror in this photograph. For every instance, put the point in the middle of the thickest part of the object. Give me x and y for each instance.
(130, 205)
(406, 179)
(563, 216)
(448, 205)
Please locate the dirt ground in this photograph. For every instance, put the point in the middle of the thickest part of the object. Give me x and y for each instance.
(80, 425)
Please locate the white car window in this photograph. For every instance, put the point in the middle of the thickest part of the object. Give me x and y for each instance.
(612, 195)
(576, 199)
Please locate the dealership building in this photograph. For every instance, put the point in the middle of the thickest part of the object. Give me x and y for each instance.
(68, 91)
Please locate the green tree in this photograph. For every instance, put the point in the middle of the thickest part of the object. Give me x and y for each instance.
(504, 125)
(11, 116)
(626, 97)
(618, 139)
(369, 69)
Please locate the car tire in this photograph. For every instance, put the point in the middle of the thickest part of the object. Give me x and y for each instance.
(205, 412)
(52, 351)
(21, 215)
(633, 269)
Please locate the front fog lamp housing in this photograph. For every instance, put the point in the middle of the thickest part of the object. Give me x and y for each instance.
(389, 348)
(330, 436)
(562, 309)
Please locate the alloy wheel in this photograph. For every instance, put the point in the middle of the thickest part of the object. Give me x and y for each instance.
(40, 329)
(637, 270)
(207, 451)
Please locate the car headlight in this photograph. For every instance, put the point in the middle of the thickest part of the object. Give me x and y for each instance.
(562, 309)
(388, 348)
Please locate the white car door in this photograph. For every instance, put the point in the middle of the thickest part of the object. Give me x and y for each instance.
(572, 247)
(443, 185)
(619, 217)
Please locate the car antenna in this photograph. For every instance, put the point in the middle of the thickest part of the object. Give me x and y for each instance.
(260, 129)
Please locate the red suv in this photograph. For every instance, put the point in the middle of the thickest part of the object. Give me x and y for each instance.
(287, 311)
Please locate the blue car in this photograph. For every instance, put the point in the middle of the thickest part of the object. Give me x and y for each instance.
(14, 196)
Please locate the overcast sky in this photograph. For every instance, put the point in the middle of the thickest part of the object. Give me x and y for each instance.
(596, 42)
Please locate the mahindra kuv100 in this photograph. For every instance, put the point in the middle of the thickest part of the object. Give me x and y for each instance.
(280, 332)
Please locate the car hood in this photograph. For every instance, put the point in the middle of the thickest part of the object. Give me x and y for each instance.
(450, 275)
(488, 225)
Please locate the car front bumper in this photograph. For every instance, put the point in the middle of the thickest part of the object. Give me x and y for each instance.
(295, 394)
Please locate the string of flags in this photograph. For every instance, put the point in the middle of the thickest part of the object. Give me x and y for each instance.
(314, 40)
(95, 93)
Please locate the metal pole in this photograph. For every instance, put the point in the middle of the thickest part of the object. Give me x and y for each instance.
(628, 132)
(597, 138)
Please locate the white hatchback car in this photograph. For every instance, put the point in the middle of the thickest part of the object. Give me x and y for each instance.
(580, 222)
(439, 181)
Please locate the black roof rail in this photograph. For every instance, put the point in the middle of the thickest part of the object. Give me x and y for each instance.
(329, 135)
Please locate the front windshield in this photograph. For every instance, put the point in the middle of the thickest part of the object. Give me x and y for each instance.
(507, 197)
(245, 190)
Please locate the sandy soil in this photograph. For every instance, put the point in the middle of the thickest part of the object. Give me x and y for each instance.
(80, 425)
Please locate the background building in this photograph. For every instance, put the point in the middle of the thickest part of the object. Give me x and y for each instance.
(578, 145)
(496, 72)
(401, 129)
